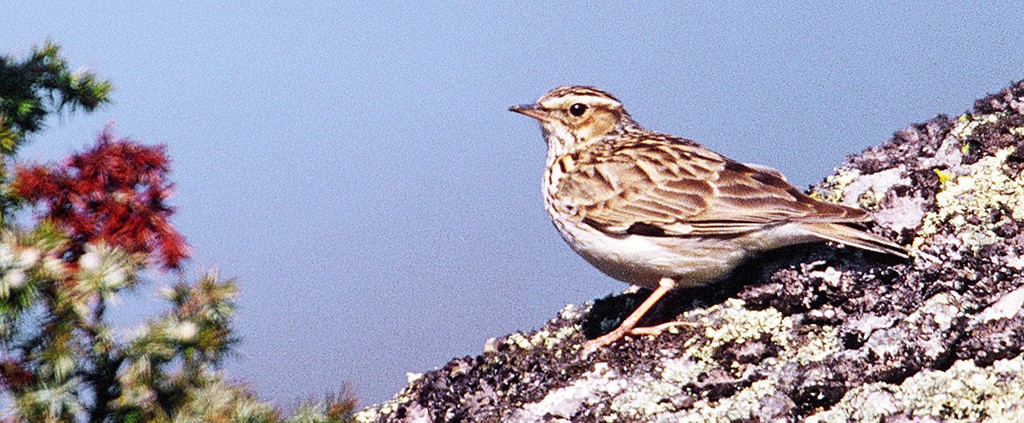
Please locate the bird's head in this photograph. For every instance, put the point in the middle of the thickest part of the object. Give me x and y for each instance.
(576, 115)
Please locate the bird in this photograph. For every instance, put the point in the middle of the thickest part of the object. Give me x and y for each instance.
(664, 212)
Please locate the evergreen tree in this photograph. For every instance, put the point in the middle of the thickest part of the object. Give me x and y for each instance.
(100, 220)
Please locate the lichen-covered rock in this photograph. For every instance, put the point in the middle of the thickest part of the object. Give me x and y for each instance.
(809, 333)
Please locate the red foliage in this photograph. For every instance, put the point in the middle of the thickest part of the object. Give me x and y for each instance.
(114, 193)
(14, 374)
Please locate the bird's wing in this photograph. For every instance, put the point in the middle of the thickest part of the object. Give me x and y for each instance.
(674, 187)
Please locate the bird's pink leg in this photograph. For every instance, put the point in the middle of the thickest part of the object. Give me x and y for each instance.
(628, 326)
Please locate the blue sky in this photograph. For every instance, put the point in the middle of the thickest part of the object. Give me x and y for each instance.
(356, 169)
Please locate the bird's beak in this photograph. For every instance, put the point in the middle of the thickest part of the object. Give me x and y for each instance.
(532, 110)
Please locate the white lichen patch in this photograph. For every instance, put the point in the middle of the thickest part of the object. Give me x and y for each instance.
(867, 403)
(738, 407)
(902, 213)
(1006, 307)
(521, 341)
(950, 154)
(975, 195)
(967, 123)
(564, 403)
(542, 338)
(817, 345)
(729, 323)
(868, 190)
(940, 309)
(572, 312)
(682, 371)
(964, 393)
(644, 398)
(732, 323)
(938, 314)
(375, 413)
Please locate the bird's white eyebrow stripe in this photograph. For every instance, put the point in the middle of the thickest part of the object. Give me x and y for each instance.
(593, 100)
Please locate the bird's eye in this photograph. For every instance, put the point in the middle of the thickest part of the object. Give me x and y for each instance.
(577, 109)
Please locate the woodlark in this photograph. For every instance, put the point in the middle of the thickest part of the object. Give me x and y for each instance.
(662, 212)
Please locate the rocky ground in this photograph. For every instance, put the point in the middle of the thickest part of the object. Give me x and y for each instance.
(813, 333)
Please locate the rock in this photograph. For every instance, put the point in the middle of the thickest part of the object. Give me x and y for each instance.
(810, 333)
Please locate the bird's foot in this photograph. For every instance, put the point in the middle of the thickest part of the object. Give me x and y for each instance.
(657, 330)
(619, 333)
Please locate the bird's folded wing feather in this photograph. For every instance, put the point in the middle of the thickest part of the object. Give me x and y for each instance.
(676, 189)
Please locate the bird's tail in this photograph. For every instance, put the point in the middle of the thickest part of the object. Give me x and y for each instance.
(848, 235)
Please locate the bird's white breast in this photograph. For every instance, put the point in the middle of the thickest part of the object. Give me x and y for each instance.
(643, 260)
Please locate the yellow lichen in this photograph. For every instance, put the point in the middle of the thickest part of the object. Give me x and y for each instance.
(541, 338)
(972, 197)
(944, 176)
(737, 324)
(558, 336)
(520, 341)
(868, 200)
(964, 393)
(832, 189)
(957, 393)
(731, 323)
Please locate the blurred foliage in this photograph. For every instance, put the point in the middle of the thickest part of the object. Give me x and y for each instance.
(100, 224)
(32, 89)
(114, 192)
(38, 86)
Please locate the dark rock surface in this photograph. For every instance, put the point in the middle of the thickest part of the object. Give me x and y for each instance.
(812, 333)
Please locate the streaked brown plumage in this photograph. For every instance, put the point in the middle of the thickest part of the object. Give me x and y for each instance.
(661, 211)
